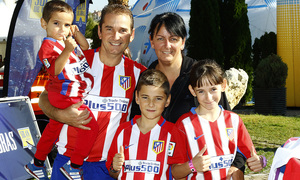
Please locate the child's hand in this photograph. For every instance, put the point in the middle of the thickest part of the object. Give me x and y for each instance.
(73, 30)
(200, 162)
(253, 162)
(118, 159)
(70, 44)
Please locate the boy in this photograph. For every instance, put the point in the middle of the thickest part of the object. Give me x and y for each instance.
(69, 82)
(140, 147)
(212, 135)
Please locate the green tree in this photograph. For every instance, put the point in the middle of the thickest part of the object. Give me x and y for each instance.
(263, 47)
(204, 34)
(90, 26)
(237, 39)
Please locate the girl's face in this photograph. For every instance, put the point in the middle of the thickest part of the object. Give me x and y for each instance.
(167, 47)
(58, 26)
(208, 95)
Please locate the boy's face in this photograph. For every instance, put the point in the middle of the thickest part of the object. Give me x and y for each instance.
(58, 26)
(208, 95)
(115, 34)
(152, 101)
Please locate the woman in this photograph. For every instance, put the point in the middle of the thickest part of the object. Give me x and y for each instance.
(167, 36)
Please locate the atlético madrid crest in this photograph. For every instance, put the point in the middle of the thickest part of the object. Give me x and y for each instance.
(158, 146)
(230, 133)
(125, 82)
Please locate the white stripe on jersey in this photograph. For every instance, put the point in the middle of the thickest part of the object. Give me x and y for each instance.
(63, 139)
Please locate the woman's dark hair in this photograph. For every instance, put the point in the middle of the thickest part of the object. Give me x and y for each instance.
(173, 23)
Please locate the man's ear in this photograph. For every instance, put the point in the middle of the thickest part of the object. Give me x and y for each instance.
(137, 98)
(168, 101)
(43, 23)
(99, 32)
(224, 85)
(192, 91)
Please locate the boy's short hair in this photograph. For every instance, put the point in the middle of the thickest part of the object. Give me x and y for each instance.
(206, 70)
(152, 77)
(116, 9)
(55, 6)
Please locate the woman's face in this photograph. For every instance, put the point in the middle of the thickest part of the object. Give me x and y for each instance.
(167, 47)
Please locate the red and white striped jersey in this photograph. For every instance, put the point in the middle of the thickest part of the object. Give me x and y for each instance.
(145, 155)
(222, 138)
(110, 101)
(74, 80)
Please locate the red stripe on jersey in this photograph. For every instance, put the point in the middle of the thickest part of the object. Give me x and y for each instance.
(106, 87)
(126, 142)
(198, 132)
(141, 154)
(217, 138)
(161, 156)
(228, 123)
(129, 68)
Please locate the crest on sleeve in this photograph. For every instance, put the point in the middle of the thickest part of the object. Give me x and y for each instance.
(230, 133)
(171, 148)
(158, 146)
(46, 63)
(125, 82)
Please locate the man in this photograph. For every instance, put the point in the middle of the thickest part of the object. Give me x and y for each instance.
(115, 77)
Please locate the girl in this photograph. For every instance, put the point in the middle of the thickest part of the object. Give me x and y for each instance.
(212, 135)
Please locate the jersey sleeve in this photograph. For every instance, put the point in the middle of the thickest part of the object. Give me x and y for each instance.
(244, 140)
(48, 56)
(178, 146)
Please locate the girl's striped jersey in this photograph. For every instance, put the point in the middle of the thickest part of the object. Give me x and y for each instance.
(110, 101)
(75, 79)
(146, 155)
(223, 137)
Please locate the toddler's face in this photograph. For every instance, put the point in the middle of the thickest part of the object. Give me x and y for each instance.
(59, 25)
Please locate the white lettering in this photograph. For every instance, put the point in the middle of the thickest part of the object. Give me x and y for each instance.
(7, 142)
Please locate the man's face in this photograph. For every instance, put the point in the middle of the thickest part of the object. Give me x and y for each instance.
(116, 34)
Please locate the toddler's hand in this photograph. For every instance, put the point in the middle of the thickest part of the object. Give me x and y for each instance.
(70, 43)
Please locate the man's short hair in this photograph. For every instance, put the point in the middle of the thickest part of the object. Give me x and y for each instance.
(116, 9)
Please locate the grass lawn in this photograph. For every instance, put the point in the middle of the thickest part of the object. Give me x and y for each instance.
(270, 132)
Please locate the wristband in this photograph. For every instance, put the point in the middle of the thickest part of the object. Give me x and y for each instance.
(112, 169)
(192, 166)
(263, 160)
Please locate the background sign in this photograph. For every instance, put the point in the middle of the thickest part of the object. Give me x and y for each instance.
(19, 133)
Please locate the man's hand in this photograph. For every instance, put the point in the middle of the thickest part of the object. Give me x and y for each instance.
(74, 117)
(253, 162)
(201, 162)
(71, 115)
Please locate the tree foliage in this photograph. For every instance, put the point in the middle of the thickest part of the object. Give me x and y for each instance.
(271, 72)
(219, 29)
(263, 47)
(237, 39)
(204, 34)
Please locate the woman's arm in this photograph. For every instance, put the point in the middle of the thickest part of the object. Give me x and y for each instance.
(71, 115)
